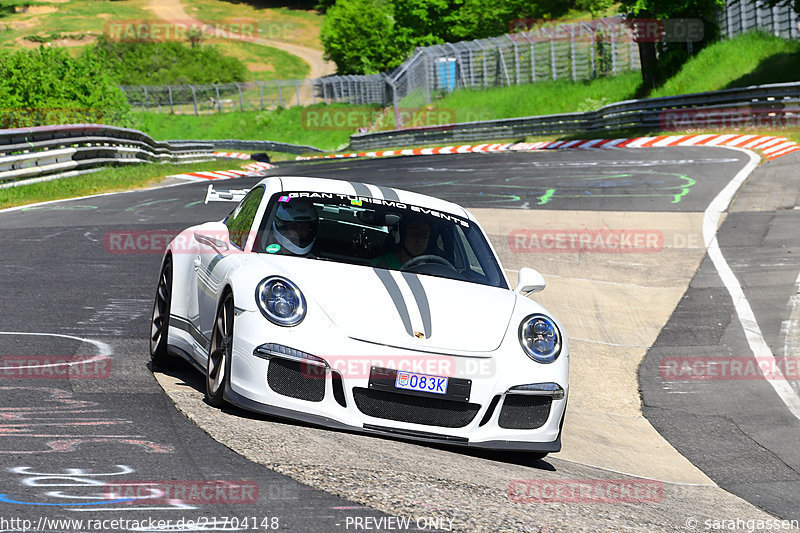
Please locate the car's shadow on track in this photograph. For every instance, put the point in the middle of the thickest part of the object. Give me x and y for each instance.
(190, 377)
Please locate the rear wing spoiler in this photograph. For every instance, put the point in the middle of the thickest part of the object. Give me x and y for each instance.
(231, 195)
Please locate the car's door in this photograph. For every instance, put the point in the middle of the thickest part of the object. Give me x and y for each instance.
(219, 257)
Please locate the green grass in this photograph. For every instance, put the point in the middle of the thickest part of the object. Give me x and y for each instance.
(265, 62)
(297, 125)
(107, 180)
(71, 17)
(296, 26)
(84, 20)
(750, 59)
(544, 98)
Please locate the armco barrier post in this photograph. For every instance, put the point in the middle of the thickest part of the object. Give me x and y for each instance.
(261, 94)
(194, 99)
(398, 120)
(241, 101)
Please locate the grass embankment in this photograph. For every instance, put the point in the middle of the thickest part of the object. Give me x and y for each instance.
(78, 23)
(292, 25)
(265, 62)
(751, 59)
(312, 125)
(106, 180)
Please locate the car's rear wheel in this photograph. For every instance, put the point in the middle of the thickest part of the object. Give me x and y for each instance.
(219, 353)
(159, 324)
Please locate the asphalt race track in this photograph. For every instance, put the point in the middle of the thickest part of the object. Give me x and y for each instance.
(69, 290)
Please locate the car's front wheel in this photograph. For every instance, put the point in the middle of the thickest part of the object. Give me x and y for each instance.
(219, 353)
(159, 323)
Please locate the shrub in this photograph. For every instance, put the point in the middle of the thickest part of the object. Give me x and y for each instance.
(48, 86)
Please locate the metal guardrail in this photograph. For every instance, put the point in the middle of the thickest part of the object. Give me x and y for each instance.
(255, 146)
(782, 100)
(51, 152)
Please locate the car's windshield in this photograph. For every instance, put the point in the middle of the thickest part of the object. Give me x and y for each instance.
(378, 233)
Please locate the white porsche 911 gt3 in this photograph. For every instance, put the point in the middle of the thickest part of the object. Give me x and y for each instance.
(363, 308)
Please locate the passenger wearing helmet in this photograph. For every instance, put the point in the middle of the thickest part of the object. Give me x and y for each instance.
(295, 226)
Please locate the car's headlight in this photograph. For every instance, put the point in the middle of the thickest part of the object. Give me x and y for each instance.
(281, 301)
(540, 338)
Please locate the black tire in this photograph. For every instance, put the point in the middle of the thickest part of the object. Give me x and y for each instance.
(218, 366)
(159, 322)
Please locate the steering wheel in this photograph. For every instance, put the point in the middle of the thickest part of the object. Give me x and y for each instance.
(428, 258)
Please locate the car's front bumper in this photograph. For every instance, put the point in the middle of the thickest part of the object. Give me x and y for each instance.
(346, 404)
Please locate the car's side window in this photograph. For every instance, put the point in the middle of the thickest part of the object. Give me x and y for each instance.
(241, 220)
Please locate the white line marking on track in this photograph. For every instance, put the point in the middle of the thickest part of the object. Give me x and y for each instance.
(102, 347)
(744, 312)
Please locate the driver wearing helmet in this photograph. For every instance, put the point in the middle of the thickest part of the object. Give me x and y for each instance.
(295, 226)
(415, 234)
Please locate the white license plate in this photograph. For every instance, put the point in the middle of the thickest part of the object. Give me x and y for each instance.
(420, 382)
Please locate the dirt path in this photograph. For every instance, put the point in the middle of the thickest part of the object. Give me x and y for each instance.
(173, 10)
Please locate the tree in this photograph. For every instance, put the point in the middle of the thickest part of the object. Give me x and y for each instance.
(662, 59)
(359, 36)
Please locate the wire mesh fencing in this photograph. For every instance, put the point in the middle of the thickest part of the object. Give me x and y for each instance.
(540, 52)
(741, 16)
(198, 99)
(567, 51)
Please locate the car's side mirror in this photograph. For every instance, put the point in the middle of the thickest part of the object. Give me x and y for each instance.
(213, 234)
(529, 281)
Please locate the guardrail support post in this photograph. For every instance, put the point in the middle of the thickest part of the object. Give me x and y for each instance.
(613, 53)
(572, 52)
(261, 94)
(742, 14)
(241, 100)
(632, 51)
(516, 58)
(592, 51)
(426, 65)
(217, 102)
(398, 120)
(280, 93)
(194, 100)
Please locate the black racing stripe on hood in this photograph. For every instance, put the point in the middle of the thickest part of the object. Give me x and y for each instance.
(397, 297)
(388, 194)
(361, 189)
(422, 300)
